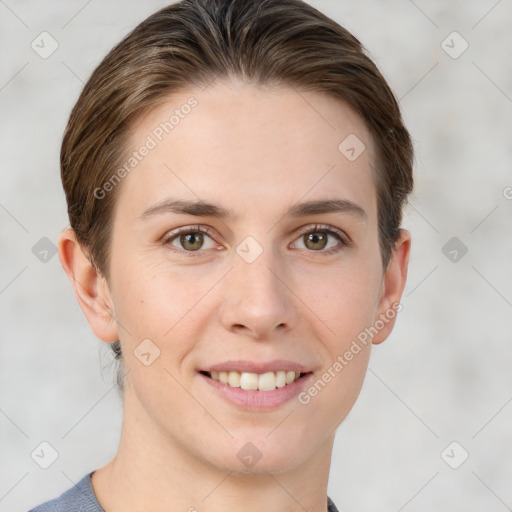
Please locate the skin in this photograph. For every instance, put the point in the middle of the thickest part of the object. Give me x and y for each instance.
(256, 152)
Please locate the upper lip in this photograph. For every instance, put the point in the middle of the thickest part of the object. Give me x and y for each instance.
(243, 366)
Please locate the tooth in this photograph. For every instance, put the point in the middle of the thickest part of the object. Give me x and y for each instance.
(290, 377)
(252, 381)
(234, 379)
(267, 381)
(249, 381)
(280, 379)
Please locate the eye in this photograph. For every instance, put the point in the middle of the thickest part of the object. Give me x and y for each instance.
(320, 238)
(190, 239)
(325, 239)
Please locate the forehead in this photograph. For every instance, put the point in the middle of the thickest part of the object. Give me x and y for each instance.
(250, 146)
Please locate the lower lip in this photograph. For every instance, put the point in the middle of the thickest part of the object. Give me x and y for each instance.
(258, 400)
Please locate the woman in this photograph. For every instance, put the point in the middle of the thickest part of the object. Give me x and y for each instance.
(235, 174)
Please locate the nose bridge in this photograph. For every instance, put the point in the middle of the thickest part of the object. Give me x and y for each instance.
(254, 296)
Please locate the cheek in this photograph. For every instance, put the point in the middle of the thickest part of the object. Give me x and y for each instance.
(158, 308)
(154, 299)
(330, 397)
(343, 298)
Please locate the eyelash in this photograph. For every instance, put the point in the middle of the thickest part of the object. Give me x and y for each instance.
(330, 230)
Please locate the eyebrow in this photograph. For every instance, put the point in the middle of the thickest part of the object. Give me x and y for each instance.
(204, 209)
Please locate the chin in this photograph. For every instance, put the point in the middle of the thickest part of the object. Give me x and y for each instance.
(256, 452)
(274, 464)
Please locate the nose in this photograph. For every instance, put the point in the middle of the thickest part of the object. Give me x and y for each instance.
(256, 300)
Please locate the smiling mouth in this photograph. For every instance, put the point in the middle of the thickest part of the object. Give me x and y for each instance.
(268, 381)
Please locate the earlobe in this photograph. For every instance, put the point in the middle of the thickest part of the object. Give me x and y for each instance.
(90, 287)
(392, 287)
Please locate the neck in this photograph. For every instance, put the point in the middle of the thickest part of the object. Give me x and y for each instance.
(152, 471)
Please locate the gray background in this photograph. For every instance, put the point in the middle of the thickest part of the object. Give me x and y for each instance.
(443, 376)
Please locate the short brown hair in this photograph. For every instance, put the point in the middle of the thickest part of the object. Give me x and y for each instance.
(191, 43)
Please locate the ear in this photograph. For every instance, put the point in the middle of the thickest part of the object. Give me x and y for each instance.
(91, 288)
(393, 284)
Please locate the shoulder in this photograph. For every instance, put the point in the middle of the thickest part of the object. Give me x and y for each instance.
(331, 507)
(79, 498)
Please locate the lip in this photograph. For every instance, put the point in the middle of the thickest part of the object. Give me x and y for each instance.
(257, 400)
(241, 366)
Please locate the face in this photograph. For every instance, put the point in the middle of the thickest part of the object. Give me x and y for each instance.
(276, 270)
